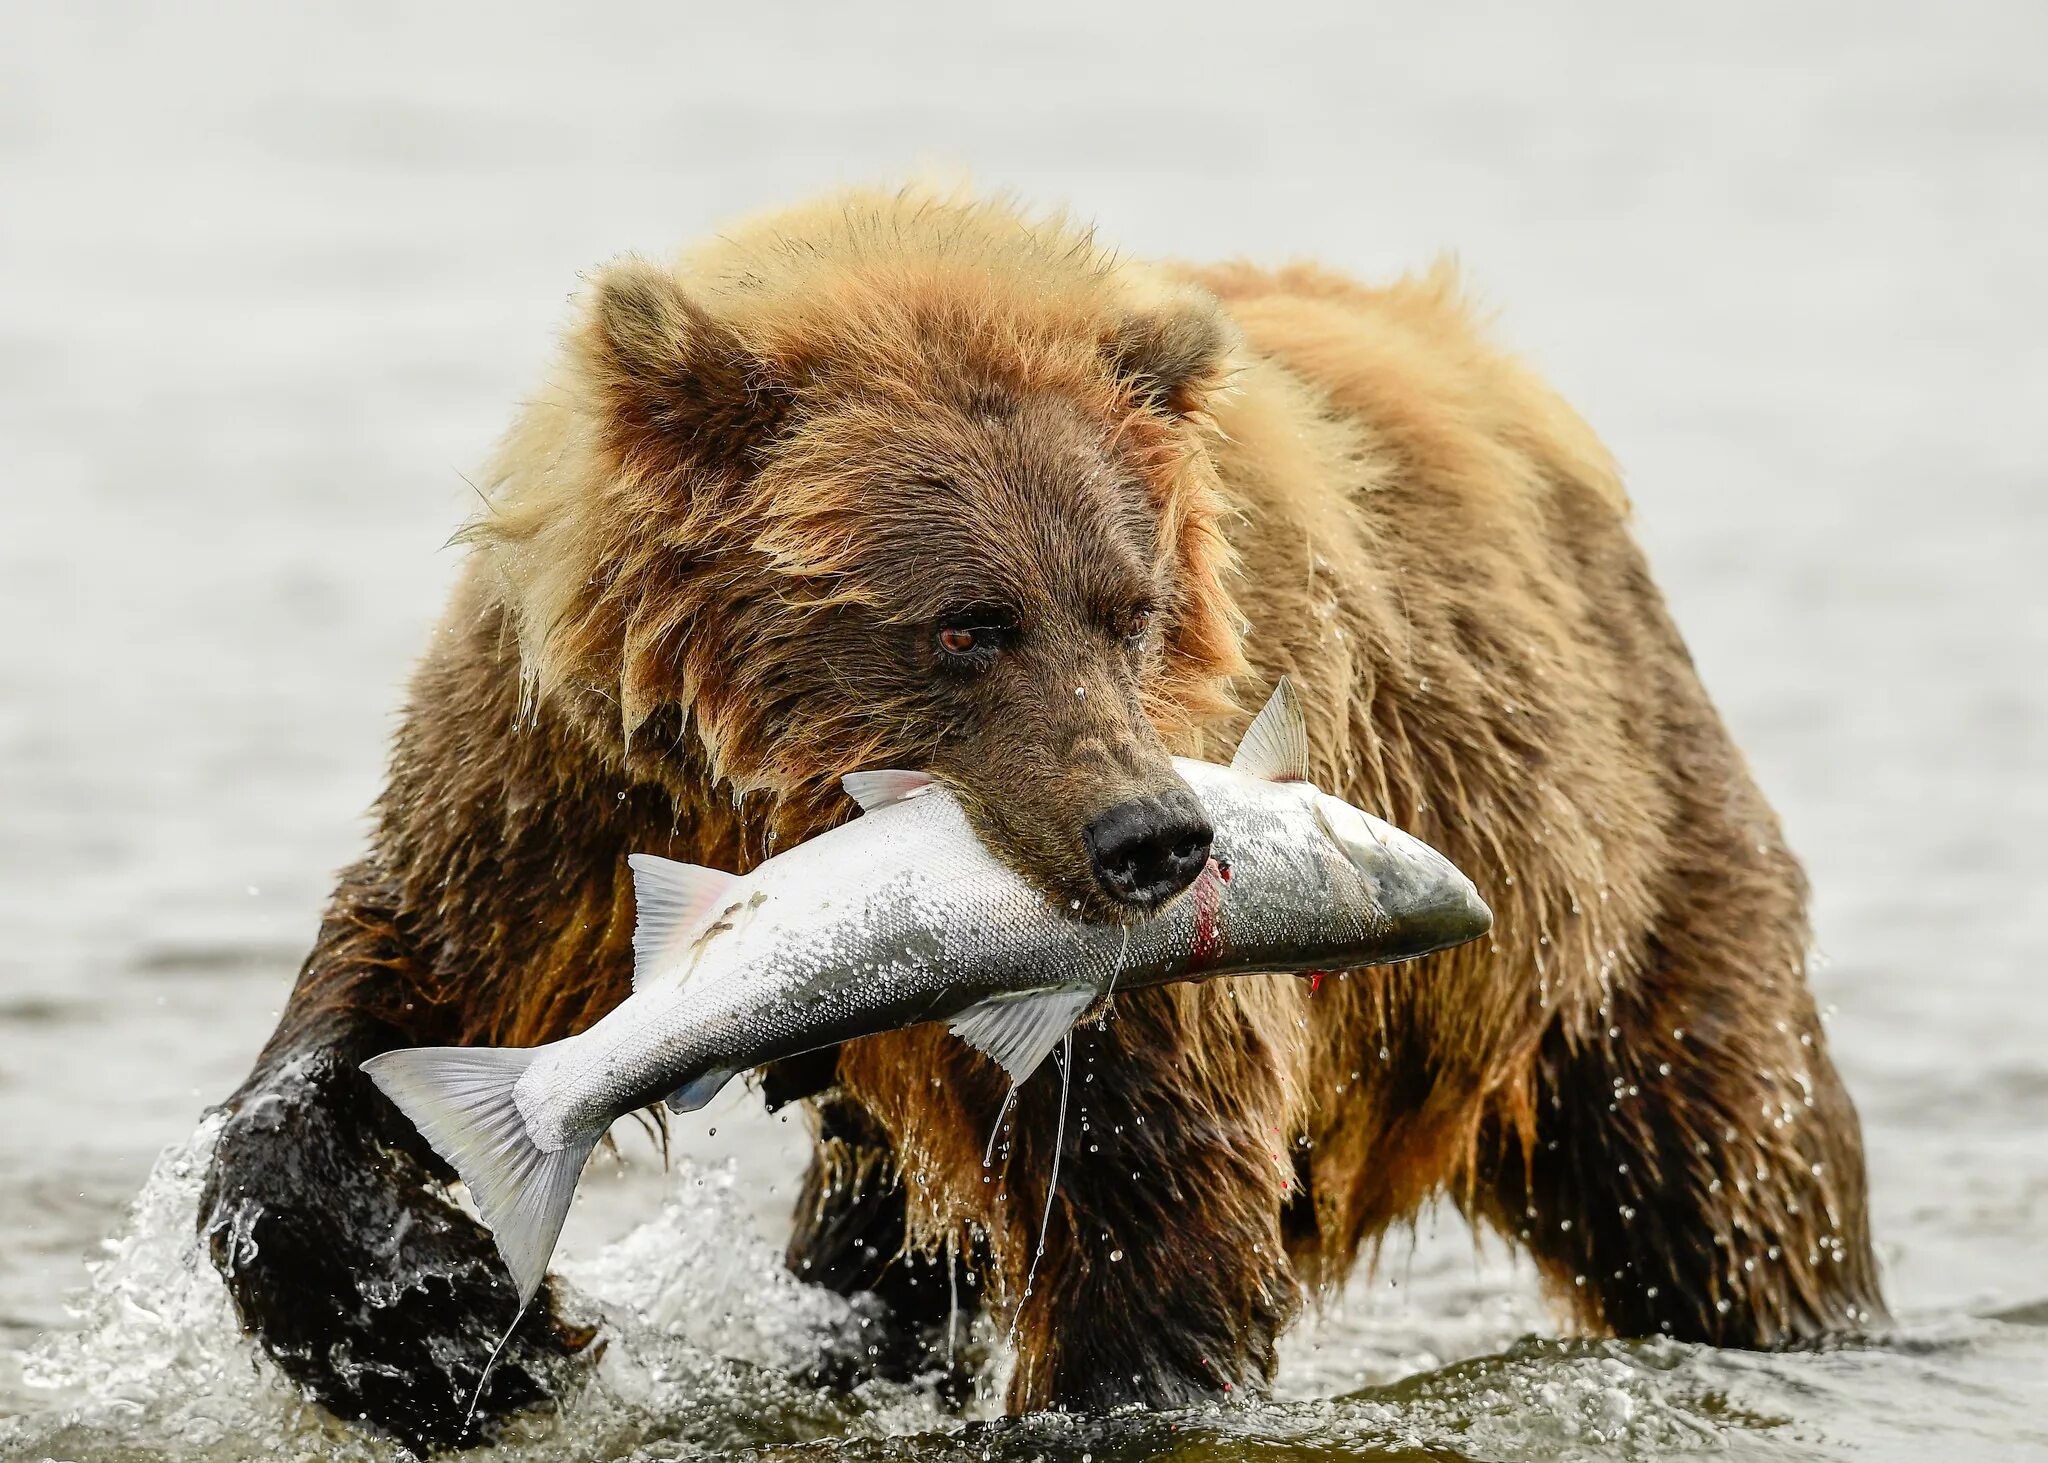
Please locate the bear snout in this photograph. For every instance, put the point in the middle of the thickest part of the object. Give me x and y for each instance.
(1146, 850)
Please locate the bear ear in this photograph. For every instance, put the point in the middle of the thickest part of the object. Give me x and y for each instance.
(673, 382)
(1174, 355)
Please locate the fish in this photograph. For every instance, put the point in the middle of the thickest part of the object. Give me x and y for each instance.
(903, 916)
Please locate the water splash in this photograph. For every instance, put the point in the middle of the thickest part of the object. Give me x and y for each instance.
(707, 1334)
(705, 1331)
(156, 1332)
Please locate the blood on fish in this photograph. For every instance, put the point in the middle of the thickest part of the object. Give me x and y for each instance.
(1315, 980)
(1208, 897)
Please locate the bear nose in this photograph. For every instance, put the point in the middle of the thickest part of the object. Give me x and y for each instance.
(1147, 850)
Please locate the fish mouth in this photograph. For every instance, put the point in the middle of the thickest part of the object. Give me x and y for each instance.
(1426, 901)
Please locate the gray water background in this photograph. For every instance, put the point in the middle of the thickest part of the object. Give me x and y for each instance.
(272, 278)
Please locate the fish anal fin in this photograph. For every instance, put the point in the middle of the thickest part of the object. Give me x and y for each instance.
(670, 900)
(1018, 1032)
(1275, 745)
(699, 1090)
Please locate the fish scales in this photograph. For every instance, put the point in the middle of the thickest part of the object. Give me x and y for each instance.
(927, 924)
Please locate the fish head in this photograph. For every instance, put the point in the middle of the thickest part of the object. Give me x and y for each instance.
(1422, 901)
(1335, 873)
(1347, 888)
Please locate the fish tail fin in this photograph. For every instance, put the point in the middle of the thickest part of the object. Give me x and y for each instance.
(461, 1100)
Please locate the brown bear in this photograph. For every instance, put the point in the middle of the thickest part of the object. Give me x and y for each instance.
(919, 480)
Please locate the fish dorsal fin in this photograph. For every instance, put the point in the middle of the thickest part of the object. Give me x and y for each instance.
(1275, 745)
(884, 786)
(1017, 1032)
(669, 901)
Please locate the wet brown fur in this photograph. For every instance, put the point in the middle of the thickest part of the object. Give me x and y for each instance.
(704, 590)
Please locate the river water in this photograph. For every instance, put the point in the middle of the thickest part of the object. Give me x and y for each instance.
(270, 281)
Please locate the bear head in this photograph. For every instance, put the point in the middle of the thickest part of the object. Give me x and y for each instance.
(898, 481)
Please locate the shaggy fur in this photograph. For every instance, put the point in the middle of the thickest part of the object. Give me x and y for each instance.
(706, 586)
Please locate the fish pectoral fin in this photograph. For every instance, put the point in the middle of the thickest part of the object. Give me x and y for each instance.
(700, 1090)
(1018, 1032)
(879, 788)
(1275, 745)
(669, 901)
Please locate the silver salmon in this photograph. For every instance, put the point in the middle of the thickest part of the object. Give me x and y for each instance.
(904, 916)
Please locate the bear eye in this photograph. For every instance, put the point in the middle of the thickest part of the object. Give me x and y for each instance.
(1137, 622)
(969, 639)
